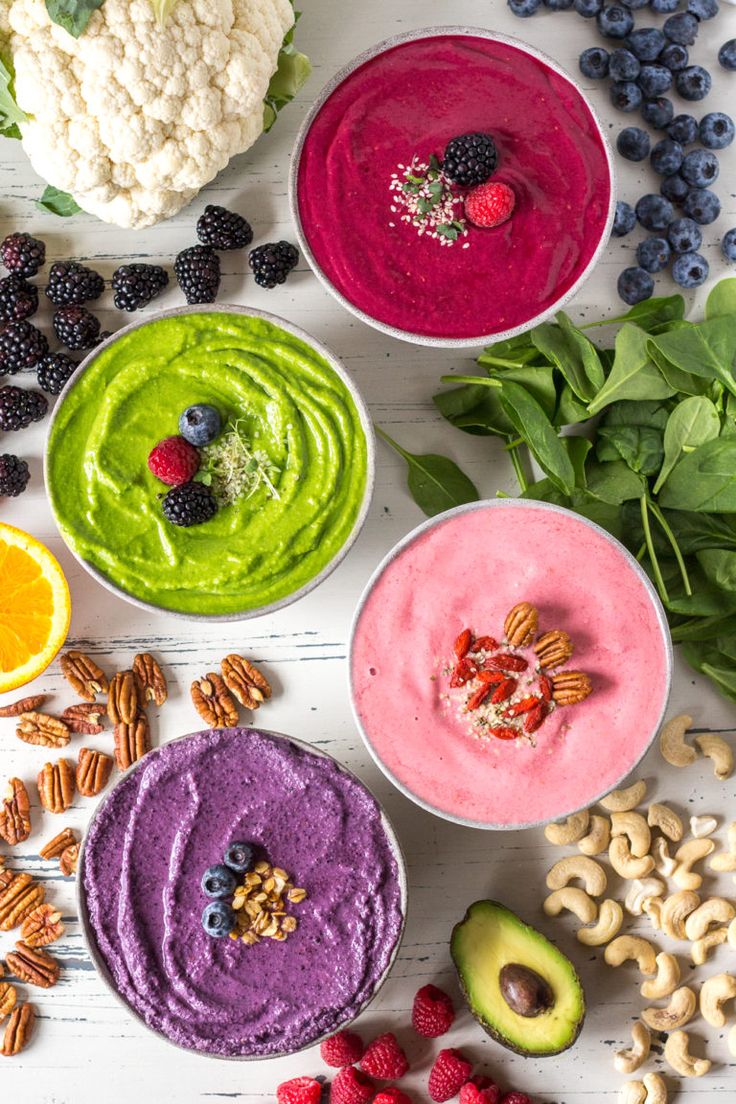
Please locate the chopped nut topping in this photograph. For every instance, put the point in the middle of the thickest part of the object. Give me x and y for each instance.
(260, 904)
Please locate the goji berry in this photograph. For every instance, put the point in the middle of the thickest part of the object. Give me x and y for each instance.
(545, 687)
(493, 677)
(479, 697)
(504, 732)
(485, 644)
(462, 644)
(523, 706)
(507, 662)
(504, 691)
(535, 717)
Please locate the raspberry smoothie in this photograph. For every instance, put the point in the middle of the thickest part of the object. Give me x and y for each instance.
(469, 569)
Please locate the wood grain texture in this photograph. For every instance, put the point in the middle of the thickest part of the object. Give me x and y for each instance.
(87, 1048)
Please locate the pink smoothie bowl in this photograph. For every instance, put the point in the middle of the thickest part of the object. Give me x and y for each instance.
(397, 106)
(466, 569)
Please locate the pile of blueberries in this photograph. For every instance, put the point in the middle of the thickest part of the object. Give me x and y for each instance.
(644, 64)
(218, 883)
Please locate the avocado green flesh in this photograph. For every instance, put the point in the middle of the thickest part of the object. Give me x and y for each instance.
(490, 937)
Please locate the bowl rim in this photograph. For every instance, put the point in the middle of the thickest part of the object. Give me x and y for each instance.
(365, 421)
(101, 966)
(513, 504)
(342, 74)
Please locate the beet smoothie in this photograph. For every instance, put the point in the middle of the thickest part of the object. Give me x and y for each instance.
(169, 820)
(409, 102)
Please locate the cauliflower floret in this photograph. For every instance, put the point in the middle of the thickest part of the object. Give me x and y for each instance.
(134, 119)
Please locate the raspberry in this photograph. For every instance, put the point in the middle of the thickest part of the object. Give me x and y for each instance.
(343, 1049)
(392, 1096)
(515, 1098)
(351, 1087)
(385, 1059)
(480, 1090)
(490, 204)
(174, 461)
(449, 1073)
(433, 1012)
(300, 1090)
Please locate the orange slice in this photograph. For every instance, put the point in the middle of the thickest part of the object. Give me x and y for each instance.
(35, 607)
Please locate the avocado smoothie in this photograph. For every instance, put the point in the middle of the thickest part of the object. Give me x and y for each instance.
(297, 412)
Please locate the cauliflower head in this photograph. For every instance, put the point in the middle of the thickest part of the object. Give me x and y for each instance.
(132, 118)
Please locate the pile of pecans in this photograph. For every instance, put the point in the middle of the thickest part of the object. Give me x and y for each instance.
(261, 905)
(214, 696)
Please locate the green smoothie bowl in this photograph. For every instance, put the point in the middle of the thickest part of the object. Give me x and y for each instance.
(287, 477)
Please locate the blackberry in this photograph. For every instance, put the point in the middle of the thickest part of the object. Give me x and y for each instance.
(14, 476)
(189, 504)
(135, 285)
(53, 372)
(18, 408)
(223, 229)
(18, 298)
(75, 327)
(197, 271)
(23, 254)
(71, 283)
(470, 159)
(272, 262)
(21, 346)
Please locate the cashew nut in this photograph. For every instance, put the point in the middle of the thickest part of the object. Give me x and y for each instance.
(672, 742)
(636, 830)
(715, 748)
(622, 801)
(624, 863)
(702, 947)
(714, 992)
(632, 948)
(598, 838)
(653, 908)
(675, 909)
(588, 871)
(665, 983)
(632, 1092)
(570, 830)
(686, 856)
(663, 861)
(680, 1010)
(656, 1088)
(574, 900)
(715, 910)
(628, 1061)
(677, 1053)
(642, 889)
(667, 820)
(610, 919)
(701, 826)
(726, 860)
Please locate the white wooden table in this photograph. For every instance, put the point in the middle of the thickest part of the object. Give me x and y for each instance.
(87, 1048)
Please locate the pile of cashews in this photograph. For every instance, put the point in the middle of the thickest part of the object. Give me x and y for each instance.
(644, 860)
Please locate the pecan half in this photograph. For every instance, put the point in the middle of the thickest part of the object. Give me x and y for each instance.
(15, 813)
(245, 681)
(150, 678)
(521, 624)
(18, 899)
(84, 675)
(570, 687)
(25, 705)
(43, 730)
(553, 648)
(8, 997)
(123, 703)
(6, 877)
(132, 741)
(18, 1030)
(214, 702)
(56, 786)
(33, 965)
(51, 850)
(93, 771)
(68, 860)
(84, 717)
(42, 926)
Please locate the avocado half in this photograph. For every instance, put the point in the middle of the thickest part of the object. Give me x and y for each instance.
(524, 992)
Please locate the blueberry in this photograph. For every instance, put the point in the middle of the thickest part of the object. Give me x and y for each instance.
(674, 188)
(727, 54)
(700, 168)
(654, 212)
(615, 21)
(634, 5)
(634, 285)
(200, 424)
(588, 8)
(681, 28)
(703, 9)
(633, 143)
(690, 270)
(623, 66)
(625, 95)
(702, 206)
(693, 83)
(653, 254)
(667, 157)
(684, 235)
(594, 63)
(558, 5)
(218, 881)
(684, 129)
(239, 857)
(624, 220)
(675, 57)
(647, 43)
(218, 919)
(728, 245)
(664, 7)
(658, 112)
(524, 8)
(716, 130)
(654, 80)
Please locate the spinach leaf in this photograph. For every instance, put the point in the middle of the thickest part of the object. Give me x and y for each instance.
(573, 353)
(531, 423)
(649, 313)
(57, 202)
(538, 380)
(653, 414)
(704, 480)
(72, 15)
(570, 410)
(719, 566)
(692, 531)
(707, 349)
(511, 353)
(722, 299)
(436, 483)
(693, 422)
(614, 482)
(633, 375)
(578, 449)
(640, 446)
(10, 114)
(475, 407)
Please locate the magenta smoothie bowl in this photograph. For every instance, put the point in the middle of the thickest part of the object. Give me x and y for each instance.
(510, 664)
(321, 845)
(398, 241)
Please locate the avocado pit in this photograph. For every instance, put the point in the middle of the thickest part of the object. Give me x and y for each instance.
(524, 990)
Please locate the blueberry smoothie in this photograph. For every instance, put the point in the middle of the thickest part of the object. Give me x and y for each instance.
(173, 817)
(439, 275)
